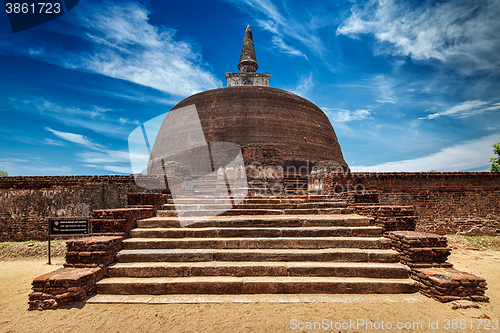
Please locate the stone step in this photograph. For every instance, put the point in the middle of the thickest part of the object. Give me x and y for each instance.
(256, 232)
(254, 285)
(237, 211)
(253, 206)
(295, 180)
(219, 268)
(258, 243)
(255, 200)
(319, 255)
(215, 212)
(345, 220)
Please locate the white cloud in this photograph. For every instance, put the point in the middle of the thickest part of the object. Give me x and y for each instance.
(125, 45)
(92, 113)
(283, 26)
(98, 156)
(12, 160)
(305, 85)
(459, 157)
(98, 119)
(105, 156)
(384, 84)
(53, 142)
(31, 166)
(459, 31)
(466, 109)
(75, 138)
(113, 168)
(280, 44)
(112, 160)
(343, 115)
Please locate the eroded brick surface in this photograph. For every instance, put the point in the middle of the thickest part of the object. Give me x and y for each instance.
(147, 200)
(444, 202)
(391, 218)
(449, 284)
(119, 220)
(92, 251)
(426, 255)
(63, 286)
(420, 249)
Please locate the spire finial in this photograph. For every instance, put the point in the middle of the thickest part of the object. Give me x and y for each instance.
(248, 60)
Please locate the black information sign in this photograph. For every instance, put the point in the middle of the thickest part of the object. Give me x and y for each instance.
(68, 226)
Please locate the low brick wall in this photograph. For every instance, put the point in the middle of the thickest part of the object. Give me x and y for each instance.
(444, 202)
(463, 202)
(63, 286)
(391, 218)
(92, 251)
(27, 202)
(140, 199)
(421, 249)
(86, 263)
(118, 221)
(426, 255)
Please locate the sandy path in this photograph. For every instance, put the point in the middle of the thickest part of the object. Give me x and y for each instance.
(16, 277)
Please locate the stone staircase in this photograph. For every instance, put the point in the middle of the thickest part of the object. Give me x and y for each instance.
(265, 245)
(204, 186)
(295, 184)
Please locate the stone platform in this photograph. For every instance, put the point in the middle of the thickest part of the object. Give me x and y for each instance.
(271, 245)
(278, 249)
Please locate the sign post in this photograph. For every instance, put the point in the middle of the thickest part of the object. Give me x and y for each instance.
(67, 226)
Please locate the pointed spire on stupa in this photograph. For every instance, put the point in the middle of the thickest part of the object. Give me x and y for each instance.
(248, 60)
(248, 66)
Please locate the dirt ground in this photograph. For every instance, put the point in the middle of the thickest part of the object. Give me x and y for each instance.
(16, 277)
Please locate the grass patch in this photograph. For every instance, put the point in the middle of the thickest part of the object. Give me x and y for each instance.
(474, 242)
(32, 250)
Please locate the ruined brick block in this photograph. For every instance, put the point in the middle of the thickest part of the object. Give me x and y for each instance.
(449, 284)
(63, 286)
(93, 250)
(391, 218)
(155, 200)
(118, 220)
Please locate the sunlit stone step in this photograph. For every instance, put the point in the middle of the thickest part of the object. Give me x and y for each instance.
(256, 232)
(257, 243)
(224, 268)
(346, 220)
(320, 255)
(254, 285)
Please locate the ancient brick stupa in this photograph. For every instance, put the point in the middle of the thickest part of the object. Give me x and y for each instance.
(268, 124)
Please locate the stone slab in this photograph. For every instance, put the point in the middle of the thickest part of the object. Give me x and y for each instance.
(118, 299)
(263, 298)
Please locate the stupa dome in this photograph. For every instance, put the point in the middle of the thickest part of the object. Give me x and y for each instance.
(249, 113)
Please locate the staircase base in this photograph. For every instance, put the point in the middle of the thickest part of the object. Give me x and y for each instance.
(261, 298)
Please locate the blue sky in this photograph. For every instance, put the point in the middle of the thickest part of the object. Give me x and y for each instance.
(407, 86)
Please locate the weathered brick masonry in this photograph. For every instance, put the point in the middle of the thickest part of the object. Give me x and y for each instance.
(92, 251)
(86, 263)
(444, 202)
(119, 220)
(63, 286)
(26, 202)
(426, 255)
(391, 218)
(87, 258)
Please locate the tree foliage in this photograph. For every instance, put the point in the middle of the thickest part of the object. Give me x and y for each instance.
(3, 173)
(495, 166)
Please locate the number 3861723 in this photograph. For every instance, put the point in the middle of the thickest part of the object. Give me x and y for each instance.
(33, 8)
